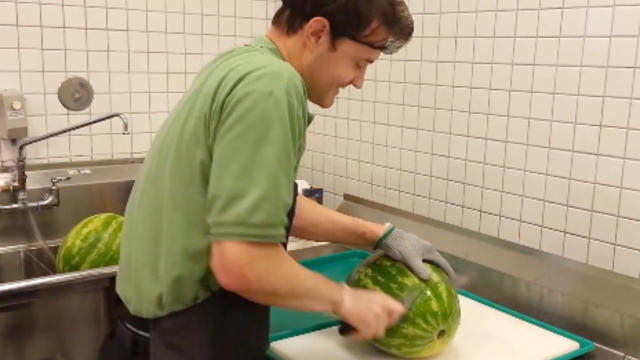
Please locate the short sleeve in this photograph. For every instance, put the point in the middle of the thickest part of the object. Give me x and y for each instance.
(255, 151)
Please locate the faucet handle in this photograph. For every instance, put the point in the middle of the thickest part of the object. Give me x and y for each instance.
(56, 179)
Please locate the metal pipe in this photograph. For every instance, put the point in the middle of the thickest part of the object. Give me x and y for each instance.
(21, 160)
(20, 291)
(11, 207)
(51, 198)
(26, 290)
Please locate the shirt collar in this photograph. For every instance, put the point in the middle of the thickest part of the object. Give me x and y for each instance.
(266, 43)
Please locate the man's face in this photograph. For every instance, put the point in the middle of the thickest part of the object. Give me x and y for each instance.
(332, 68)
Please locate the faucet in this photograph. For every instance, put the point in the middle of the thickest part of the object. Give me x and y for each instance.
(52, 196)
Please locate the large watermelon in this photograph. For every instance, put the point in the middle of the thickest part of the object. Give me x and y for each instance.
(432, 320)
(93, 242)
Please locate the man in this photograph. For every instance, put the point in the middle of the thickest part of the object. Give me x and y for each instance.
(201, 252)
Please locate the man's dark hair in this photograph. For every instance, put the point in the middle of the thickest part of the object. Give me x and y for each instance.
(350, 19)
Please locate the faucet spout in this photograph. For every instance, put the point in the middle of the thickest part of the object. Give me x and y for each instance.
(21, 160)
(125, 123)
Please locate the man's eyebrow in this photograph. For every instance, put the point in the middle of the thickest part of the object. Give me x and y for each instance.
(370, 61)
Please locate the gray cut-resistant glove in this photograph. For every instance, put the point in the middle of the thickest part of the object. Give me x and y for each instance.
(412, 250)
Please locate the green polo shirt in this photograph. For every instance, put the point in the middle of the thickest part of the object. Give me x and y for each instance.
(221, 167)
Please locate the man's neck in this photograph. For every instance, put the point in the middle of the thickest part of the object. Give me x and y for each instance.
(289, 48)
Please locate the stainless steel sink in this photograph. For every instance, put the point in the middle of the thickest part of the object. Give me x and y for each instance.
(26, 263)
(44, 315)
(42, 258)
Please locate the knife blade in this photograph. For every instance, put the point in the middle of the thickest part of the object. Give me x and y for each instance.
(406, 300)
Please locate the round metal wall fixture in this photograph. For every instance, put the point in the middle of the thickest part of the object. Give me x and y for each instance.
(75, 93)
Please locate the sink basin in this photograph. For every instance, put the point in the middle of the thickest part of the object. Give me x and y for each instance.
(41, 256)
(26, 263)
(45, 315)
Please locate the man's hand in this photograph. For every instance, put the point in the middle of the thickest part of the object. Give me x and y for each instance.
(369, 312)
(412, 250)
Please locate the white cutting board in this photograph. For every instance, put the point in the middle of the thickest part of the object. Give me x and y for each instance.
(484, 333)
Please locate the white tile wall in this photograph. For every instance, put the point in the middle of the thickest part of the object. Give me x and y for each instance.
(519, 119)
(139, 55)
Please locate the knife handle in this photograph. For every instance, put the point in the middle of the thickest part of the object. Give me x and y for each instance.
(345, 329)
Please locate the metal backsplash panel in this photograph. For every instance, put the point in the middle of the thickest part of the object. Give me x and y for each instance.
(91, 190)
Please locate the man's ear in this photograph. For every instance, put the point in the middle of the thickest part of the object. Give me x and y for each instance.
(316, 31)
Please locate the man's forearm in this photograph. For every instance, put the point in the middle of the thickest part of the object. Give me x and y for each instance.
(315, 222)
(267, 274)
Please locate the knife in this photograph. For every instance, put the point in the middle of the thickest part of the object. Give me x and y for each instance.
(407, 301)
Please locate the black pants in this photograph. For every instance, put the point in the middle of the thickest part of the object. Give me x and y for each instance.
(225, 326)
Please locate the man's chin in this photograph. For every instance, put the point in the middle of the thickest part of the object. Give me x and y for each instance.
(324, 103)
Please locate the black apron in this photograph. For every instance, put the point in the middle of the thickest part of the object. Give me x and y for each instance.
(224, 326)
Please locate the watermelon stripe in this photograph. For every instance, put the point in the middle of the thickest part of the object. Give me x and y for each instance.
(102, 251)
(436, 309)
(92, 232)
(93, 242)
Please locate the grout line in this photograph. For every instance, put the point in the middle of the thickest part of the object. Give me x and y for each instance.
(375, 124)
(20, 72)
(166, 56)
(466, 160)
(546, 175)
(576, 94)
(128, 74)
(525, 146)
(89, 109)
(502, 115)
(623, 36)
(504, 159)
(425, 12)
(110, 98)
(624, 162)
(448, 204)
(184, 49)
(417, 36)
(149, 98)
(402, 121)
(389, 103)
(433, 125)
(599, 155)
(486, 141)
(66, 75)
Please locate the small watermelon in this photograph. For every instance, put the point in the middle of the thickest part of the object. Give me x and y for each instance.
(432, 320)
(93, 242)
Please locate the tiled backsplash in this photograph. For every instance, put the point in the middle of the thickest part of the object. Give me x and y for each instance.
(139, 56)
(519, 119)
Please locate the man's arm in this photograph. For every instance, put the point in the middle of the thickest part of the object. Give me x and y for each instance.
(316, 222)
(240, 267)
(266, 274)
